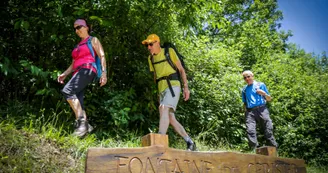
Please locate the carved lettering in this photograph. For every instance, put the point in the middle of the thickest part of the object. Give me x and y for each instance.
(146, 165)
(266, 168)
(259, 168)
(165, 162)
(251, 166)
(272, 168)
(228, 169)
(286, 167)
(135, 162)
(149, 165)
(188, 164)
(195, 166)
(235, 170)
(119, 164)
(177, 166)
(292, 168)
(207, 166)
(282, 167)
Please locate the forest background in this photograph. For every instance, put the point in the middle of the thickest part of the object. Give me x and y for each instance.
(219, 39)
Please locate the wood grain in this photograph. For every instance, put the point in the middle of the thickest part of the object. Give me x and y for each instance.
(161, 159)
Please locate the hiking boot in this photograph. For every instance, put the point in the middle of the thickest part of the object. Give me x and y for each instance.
(90, 128)
(81, 127)
(76, 125)
(191, 146)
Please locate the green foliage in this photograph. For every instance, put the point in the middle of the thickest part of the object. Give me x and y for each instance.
(51, 150)
(219, 39)
(298, 106)
(214, 90)
(27, 152)
(48, 149)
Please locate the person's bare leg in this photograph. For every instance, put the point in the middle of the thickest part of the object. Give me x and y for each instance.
(164, 119)
(191, 146)
(76, 106)
(82, 127)
(176, 125)
(84, 114)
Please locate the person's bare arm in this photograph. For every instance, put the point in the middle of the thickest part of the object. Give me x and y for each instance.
(264, 94)
(244, 107)
(186, 92)
(101, 54)
(62, 76)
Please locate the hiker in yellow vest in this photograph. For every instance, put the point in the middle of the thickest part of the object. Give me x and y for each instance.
(168, 84)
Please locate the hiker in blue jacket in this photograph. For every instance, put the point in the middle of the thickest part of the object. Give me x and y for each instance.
(255, 95)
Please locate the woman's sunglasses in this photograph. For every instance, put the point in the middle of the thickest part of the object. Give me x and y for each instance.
(78, 27)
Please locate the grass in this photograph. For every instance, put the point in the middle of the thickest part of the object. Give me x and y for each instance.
(316, 169)
(36, 148)
(22, 151)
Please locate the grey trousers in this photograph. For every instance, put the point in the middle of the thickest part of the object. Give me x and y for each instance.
(259, 115)
(74, 89)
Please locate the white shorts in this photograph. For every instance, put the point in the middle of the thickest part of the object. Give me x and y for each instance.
(166, 98)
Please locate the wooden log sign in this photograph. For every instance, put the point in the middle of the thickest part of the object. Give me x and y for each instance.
(158, 158)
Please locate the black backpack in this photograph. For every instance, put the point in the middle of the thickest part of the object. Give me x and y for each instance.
(173, 76)
(166, 47)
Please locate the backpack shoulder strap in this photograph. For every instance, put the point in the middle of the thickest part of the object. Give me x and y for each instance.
(89, 43)
(97, 63)
(244, 89)
(168, 57)
(151, 57)
(244, 92)
(258, 84)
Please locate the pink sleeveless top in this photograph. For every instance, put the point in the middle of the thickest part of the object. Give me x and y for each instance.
(82, 57)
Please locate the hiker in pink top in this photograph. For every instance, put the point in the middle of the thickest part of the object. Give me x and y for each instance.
(84, 72)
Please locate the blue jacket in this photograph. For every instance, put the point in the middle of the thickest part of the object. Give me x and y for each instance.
(251, 98)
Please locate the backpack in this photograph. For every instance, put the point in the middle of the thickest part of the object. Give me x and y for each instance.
(166, 47)
(173, 76)
(97, 63)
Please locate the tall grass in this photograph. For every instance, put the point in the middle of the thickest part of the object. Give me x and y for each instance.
(43, 143)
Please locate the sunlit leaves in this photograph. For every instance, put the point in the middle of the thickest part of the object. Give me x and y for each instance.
(219, 39)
